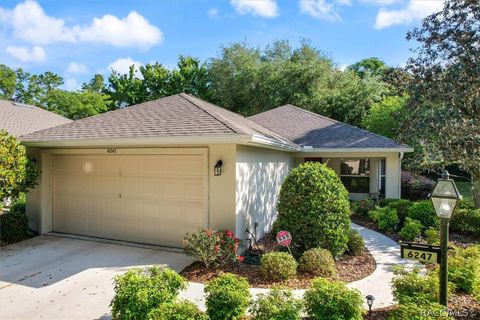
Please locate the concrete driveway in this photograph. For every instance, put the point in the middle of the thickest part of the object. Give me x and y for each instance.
(51, 277)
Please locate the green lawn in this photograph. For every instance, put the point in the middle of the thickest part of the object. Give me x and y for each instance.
(464, 187)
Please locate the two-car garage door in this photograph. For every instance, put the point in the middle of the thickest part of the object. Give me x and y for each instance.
(154, 198)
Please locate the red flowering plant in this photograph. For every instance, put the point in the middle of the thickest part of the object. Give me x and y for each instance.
(212, 248)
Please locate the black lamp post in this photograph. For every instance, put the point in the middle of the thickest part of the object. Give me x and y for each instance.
(370, 300)
(444, 197)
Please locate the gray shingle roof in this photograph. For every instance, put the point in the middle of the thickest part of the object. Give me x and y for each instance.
(306, 128)
(177, 115)
(20, 119)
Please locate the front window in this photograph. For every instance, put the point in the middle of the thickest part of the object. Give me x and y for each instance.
(355, 175)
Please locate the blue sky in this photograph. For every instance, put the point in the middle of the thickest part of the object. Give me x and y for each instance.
(79, 38)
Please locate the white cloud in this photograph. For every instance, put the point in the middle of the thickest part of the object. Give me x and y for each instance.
(30, 23)
(213, 12)
(381, 2)
(78, 68)
(415, 10)
(262, 8)
(24, 54)
(71, 84)
(133, 30)
(320, 9)
(122, 65)
(344, 2)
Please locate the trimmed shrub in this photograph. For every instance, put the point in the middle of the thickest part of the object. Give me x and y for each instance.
(356, 244)
(423, 311)
(333, 300)
(424, 212)
(139, 291)
(212, 248)
(276, 305)
(180, 310)
(278, 266)
(13, 227)
(411, 230)
(464, 270)
(313, 205)
(386, 218)
(415, 187)
(409, 286)
(402, 206)
(318, 261)
(432, 236)
(362, 207)
(227, 297)
(466, 221)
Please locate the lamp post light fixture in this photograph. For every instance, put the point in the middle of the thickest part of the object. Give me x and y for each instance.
(444, 197)
(370, 300)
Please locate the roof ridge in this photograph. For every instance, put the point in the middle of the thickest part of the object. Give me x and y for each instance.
(216, 116)
(337, 121)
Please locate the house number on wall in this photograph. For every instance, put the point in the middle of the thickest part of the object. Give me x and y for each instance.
(112, 150)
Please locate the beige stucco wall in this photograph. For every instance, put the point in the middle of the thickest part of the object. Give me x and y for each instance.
(221, 189)
(260, 173)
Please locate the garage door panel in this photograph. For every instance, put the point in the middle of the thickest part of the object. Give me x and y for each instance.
(142, 198)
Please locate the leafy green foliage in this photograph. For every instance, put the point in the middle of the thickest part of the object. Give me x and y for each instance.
(227, 297)
(213, 248)
(402, 206)
(424, 212)
(17, 173)
(386, 218)
(432, 236)
(382, 118)
(371, 66)
(333, 300)
(318, 262)
(444, 109)
(179, 310)
(276, 305)
(464, 270)
(8, 80)
(411, 230)
(362, 207)
(422, 311)
(14, 223)
(138, 292)
(278, 266)
(313, 206)
(466, 221)
(76, 105)
(356, 244)
(410, 286)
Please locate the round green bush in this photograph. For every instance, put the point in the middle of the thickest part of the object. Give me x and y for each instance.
(466, 221)
(318, 261)
(423, 311)
(276, 305)
(464, 270)
(180, 310)
(424, 212)
(402, 206)
(313, 205)
(139, 291)
(386, 218)
(411, 230)
(278, 266)
(432, 236)
(227, 297)
(356, 244)
(333, 300)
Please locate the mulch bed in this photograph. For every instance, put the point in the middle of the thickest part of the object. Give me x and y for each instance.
(349, 268)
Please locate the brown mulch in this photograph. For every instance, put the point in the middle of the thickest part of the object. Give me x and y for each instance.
(349, 268)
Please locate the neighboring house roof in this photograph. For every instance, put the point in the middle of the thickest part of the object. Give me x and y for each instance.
(20, 119)
(309, 129)
(173, 116)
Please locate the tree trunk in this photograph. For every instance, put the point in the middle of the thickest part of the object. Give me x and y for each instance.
(476, 188)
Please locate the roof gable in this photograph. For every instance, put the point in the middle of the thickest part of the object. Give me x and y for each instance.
(20, 119)
(306, 128)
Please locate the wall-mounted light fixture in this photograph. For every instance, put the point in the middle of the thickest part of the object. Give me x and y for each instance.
(217, 169)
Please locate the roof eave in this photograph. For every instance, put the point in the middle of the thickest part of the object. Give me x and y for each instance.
(356, 150)
(141, 141)
(273, 144)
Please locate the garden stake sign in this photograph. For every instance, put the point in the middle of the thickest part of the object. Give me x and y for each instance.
(420, 252)
(284, 238)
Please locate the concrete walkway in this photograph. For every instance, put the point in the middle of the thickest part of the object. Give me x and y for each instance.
(386, 253)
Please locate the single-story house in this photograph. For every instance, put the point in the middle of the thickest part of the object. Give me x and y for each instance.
(21, 119)
(154, 171)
